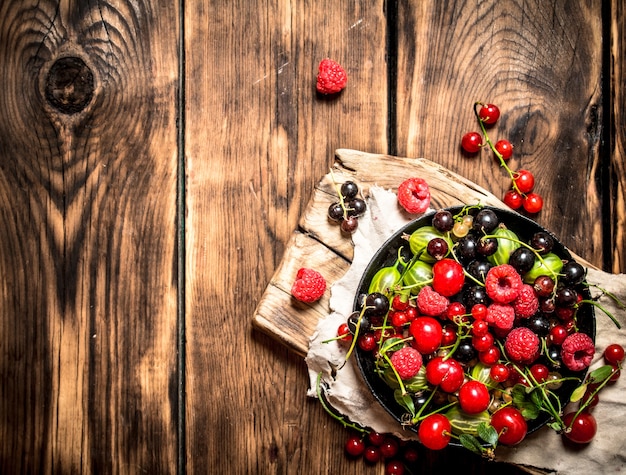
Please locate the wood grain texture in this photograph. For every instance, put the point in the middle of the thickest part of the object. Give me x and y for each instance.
(541, 64)
(617, 170)
(258, 140)
(87, 209)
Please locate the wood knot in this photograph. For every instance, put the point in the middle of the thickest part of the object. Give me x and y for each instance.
(69, 85)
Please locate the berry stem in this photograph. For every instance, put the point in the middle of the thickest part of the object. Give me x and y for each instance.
(493, 148)
(346, 423)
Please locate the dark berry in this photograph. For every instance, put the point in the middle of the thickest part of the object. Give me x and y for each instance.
(542, 242)
(465, 248)
(485, 221)
(443, 221)
(356, 207)
(522, 259)
(349, 190)
(478, 269)
(465, 352)
(566, 297)
(539, 324)
(487, 246)
(349, 225)
(573, 273)
(437, 248)
(544, 286)
(377, 304)
(475, 294)
(335, 212)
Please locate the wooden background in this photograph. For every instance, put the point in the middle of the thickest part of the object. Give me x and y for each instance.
(149, 185)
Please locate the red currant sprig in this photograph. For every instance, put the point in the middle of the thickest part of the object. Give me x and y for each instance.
(521, 193)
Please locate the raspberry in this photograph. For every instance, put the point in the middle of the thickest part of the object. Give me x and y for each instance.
(503, 283)
(331, 78)
(577, 351)
(522, 345)
(407, 361)
(414, 195)
(431, 303)
(500, 316)
(309, 285)
(526, 304)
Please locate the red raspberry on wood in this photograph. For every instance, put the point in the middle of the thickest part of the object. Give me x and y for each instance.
(309, 285)
(414, 195)
(331, 77)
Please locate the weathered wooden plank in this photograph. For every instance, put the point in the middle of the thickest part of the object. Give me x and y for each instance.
(541, 64)
(87, 208)
(258, 139)
(617, 183)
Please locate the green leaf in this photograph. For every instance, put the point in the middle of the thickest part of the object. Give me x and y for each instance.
(578, 393)
(471, 443)
(488, 433)
(405, 401)
(389, 344)
(600, 374)
(529, 411)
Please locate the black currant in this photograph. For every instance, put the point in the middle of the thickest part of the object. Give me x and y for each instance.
(349, 190)
(566, 297)
(542, 242)
(485, 221)
(465, 248)
(573, 273)
(522, 259)
(437, 248)
(539, 324)
(377, 304)
(474, 295)
(356, 207)
(350, 224)
(486, 246)
(465, 352)
(443, 221)
(478, 269)
(335, 212)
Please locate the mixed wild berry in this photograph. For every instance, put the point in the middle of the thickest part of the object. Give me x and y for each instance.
(349, 206)
(477, 330)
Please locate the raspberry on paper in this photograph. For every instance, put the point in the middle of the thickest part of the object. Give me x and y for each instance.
(414, 195)
(309, 285)
(522, 345)
(407, 361)
(577, 351)
(331, 77)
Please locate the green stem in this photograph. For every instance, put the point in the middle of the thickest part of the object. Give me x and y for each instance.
(341, 419)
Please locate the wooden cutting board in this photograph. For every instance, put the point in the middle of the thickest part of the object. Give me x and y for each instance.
(319, 244)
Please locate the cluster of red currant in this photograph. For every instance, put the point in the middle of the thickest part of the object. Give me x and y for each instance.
(521, 194)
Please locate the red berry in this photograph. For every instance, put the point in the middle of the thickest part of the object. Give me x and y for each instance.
(407, 361)
(524, 180)
(614, 354)
(448, 335)
(367, 342)
(503, 284)
(510, 425)
(309, 285)
(490, 356)
(372, 454)
(577, 351)
(513, 199)
(522, 345)
(400, 302)
(533, 203)
(455, 309)
(376, 438)
(414, 195)
(489, 114)
(343, 332)
(430, 302)
(389, 447)
(427, 334)
(394, 467)
(471, 142)
(448, 277)
(482, 342)
(474, 397)
(499, 372)
(355, 446)
(447, 374)
(331, 77)
(479, 311)
(480, 328)
(434, 431)
(558, 334)
(540, 372)
(580, 428)
(504, 148)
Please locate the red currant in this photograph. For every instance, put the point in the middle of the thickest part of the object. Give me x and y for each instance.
(400, 302)
(614, 354)
(343, 332)
(474, 397)
(479, 311)
(389, 447)
(398, 318)
(513, 199)
(434, 431)
(394, 467)
(499, 372)
(540, 372)
(504, 148)
(355, 446)
(615, 374)
(558, 333)
(490, 356)
(367, 342)
(480, 328)
(375, 438)
(580, 428)
(448, 335)
(489, 114)
(372, 454)
(482, 342)
(533, 203)
(471, 142)
(455, 309)
(510, 425)
(525, 181)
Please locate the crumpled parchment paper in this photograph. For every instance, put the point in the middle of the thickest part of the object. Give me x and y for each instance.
(544, 449)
